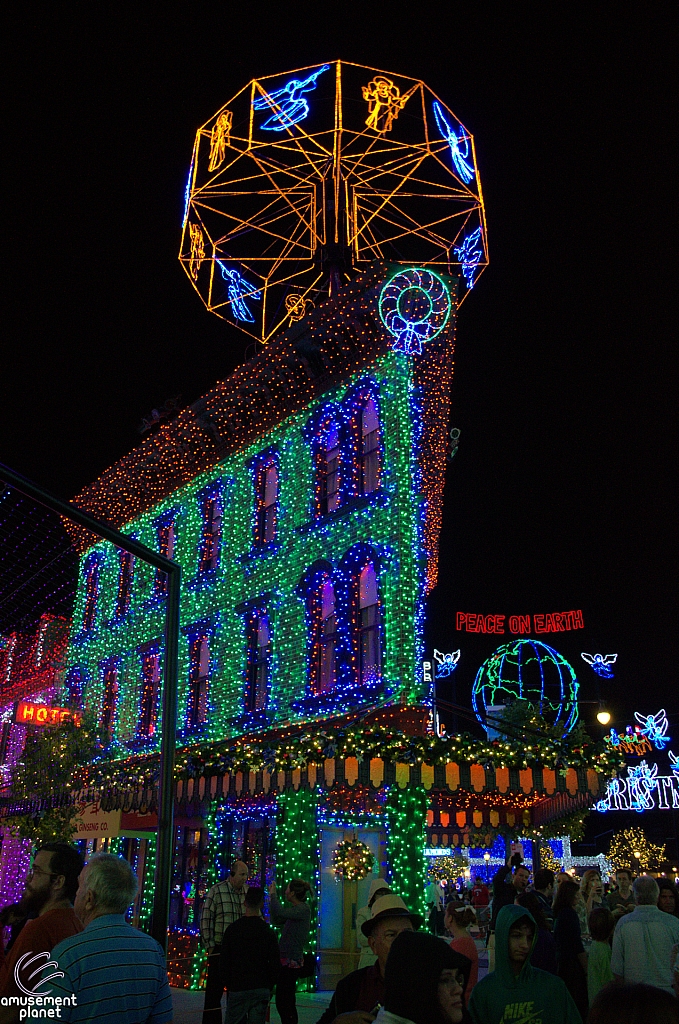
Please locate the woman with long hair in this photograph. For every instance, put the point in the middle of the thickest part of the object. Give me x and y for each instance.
(424, 982)
(592, 892)
(295, 919)
(571, 959)
(457, 920)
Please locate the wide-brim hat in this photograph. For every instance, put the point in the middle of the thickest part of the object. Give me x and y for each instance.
(389, 906)
(376, 885)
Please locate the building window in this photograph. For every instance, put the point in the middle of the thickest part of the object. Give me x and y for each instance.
(257, 662)
(369, 448)
(328, 468)
(150, 691)
(211, 535)
(74, 688)
(91, 595)
(110, 698)
(368, 626)
(199, 679)
(323, 616)
(266, 502)
(166, 543)
(125, 577)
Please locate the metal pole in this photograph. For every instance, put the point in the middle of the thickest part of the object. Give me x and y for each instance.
(164, 852)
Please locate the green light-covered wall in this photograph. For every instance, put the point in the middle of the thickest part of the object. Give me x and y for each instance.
(388, 520)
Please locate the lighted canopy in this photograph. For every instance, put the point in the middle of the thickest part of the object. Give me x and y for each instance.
(302, 178)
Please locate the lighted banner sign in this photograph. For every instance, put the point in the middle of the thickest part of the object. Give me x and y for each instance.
(548, 622)
(641, 787)
(28, 713)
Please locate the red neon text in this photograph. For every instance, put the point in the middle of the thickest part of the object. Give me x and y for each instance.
(28, 713)
(550, 622)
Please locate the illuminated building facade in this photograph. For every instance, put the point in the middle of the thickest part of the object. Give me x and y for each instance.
(31, 677)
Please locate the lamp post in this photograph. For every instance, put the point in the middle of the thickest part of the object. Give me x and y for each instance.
(486, 857)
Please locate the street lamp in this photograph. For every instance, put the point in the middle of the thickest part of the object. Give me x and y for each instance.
(486, 857)
(603, 717)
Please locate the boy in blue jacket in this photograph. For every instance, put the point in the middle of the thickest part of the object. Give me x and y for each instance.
(516, 992)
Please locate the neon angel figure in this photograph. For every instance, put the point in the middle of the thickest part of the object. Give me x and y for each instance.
(292, 107)
(600, 663)
(445, 663)
(470, 254)
(655, 727)
(239, 290)
(456, 142)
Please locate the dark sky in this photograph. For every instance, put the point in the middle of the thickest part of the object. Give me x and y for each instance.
(563, 492)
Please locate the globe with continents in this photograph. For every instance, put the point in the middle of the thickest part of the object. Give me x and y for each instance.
(532, 671)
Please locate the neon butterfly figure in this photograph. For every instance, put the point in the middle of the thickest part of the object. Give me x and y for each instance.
(456, 142)
(600, 663)
(292, 107)
(654, 727)
(445, 663)
(239, 289)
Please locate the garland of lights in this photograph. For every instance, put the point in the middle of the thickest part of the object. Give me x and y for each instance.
(148, 889)
(352, 860)
(298, 750)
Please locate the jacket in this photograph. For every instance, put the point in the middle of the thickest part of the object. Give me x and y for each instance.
(531, 996)
(249, 957)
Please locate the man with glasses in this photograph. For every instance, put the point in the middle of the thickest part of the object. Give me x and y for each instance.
(48, 896)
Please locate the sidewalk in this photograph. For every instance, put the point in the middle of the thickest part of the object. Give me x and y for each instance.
(188, 1006)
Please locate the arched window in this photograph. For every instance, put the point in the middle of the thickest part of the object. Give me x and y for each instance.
(150, 691)
(166, 541)
(323, 616)
(369, 448)
(328, 468)
(368, 628)
(199, 680)
(266, 502)
(125, 577)
(211, 534)
(257, 662)
(91, 595)
(110, 698)
(74, 687)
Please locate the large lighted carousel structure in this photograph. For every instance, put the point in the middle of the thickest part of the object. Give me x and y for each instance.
(335, 215)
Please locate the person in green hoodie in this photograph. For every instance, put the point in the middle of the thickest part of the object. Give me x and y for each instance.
(516, 992)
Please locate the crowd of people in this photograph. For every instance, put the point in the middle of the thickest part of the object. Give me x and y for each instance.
(559, 951)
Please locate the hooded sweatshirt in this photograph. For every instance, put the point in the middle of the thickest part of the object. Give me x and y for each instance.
(531, 997)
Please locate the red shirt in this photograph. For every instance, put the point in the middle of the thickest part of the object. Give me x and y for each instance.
(38, 936)
(480, 896)
(467, 947)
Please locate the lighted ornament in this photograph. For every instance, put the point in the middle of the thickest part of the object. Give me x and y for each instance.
(528, 670)
(445, 663)
(302, 180)
(600, 663)
(352, 860)
(414, 307)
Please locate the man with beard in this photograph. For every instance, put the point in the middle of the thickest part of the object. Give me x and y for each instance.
(49, 892)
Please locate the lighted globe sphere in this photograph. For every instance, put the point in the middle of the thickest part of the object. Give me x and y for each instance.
(528, 670)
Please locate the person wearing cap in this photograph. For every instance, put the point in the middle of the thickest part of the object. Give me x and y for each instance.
(378, 887)
(358, 996)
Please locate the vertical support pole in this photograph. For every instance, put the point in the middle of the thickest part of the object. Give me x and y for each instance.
(166, 795)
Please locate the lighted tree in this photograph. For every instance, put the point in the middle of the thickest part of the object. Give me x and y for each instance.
(631, 849)
(548, 860)
(49, 766)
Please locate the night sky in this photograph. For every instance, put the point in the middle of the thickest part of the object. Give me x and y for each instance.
(562, 493)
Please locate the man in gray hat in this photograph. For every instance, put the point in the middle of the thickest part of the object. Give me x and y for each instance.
(357, 996)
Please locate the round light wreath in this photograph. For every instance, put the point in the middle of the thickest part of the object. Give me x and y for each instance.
(352, 860)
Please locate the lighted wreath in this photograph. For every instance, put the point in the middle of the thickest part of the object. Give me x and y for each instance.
(352, 860)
